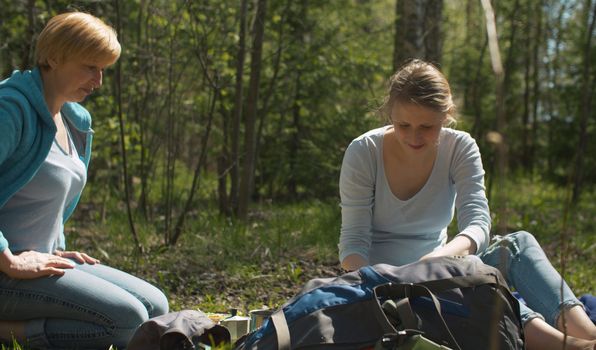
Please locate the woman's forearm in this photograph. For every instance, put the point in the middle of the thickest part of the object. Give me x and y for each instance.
(5, 260)
(460, 245)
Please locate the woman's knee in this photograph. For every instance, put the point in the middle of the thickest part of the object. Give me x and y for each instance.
(519, 242)
(134, 314)
(524, 239)
(128, 315)
(159, 303)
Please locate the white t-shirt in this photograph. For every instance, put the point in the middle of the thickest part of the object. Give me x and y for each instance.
(384, 229)
(33, 219)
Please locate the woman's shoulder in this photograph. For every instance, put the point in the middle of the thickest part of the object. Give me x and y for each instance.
(16, 88)
(17, 94)
(371, 139)
(78, 115)
(366, 147)
(458, 147)
(21, 93)
(456, 138)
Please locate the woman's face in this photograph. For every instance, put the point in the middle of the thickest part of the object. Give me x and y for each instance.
(417, 128)
(76, 80)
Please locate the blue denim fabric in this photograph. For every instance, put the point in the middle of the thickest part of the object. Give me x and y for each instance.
(90, 307)
(523, 263)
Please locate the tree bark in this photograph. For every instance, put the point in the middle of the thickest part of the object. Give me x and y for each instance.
(239, 91)
(264, 110)
(585, 109)
(295, 138)
(500, 139)
(525, 122)
(29, 47)
(407, 32)
(418, 31)
(536, 77)
(133, 230)
(250, 119)
(554, 82)
(433, 35)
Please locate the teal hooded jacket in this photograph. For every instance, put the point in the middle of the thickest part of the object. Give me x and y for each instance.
(27, 131)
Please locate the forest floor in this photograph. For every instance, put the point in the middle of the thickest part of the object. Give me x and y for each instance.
(219, 264)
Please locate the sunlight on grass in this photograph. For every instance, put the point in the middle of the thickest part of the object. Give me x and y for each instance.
(221, 263)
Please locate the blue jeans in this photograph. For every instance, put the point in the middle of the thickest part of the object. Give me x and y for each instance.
(523, 263)
(89, 307)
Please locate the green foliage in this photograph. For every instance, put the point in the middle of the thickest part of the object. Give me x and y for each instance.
(325, 65)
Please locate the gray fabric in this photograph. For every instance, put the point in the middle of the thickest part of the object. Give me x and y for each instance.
(32, 219)
(177, 331)
(361, 324)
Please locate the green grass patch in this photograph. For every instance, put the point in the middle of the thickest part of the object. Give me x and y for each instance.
(220, 263)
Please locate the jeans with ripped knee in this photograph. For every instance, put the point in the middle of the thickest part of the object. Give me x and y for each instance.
(523, 263)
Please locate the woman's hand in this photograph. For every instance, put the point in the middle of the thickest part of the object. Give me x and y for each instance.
(460, 245)
(353, 262)
(32, 264)
(78, 256)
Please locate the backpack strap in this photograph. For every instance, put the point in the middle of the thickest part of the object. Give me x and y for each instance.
(281, 330)
(407, 291)
(406, 314)
(462, 282)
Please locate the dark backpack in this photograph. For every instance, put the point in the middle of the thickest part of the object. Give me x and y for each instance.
(457, 302)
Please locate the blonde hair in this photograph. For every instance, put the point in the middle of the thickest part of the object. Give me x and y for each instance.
(421, 83)
(77, 36)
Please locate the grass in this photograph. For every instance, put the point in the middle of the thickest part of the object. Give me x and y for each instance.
(220, 264)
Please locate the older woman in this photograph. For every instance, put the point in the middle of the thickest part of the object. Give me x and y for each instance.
(400, 184)
(51, 297)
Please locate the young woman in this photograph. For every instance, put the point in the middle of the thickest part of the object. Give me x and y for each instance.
(53, 298)
(400, 184)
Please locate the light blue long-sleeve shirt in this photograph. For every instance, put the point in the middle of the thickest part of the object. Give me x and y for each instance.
(384, 229)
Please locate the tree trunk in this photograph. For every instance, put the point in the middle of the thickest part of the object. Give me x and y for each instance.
(511, 57)
(407, 32)
(471, 31)
(417, 31)
(299, 30)
(536, 77)
(264, 110)
(554, 82)
(29, 47)
(295, 138)
(239, 91)
(133, 231)
(585, 109)
(250, 119)
(433, 35)
(223, 160)
(477, 129)
(525, 123)
(500, 139)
